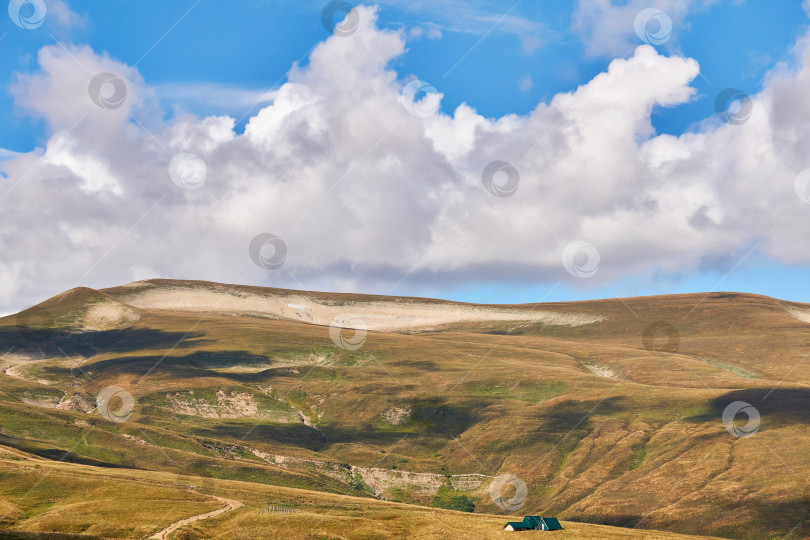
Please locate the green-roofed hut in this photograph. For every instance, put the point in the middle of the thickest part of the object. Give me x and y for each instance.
(534, 523)
(549, 524)
(515, 526)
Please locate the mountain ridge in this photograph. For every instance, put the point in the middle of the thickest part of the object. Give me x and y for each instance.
(608, 411)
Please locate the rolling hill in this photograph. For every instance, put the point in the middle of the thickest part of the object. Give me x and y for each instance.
(612, 412)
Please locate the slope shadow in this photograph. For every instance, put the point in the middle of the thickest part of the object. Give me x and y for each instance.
(431, 419)
(559, 426)
(179, 367)
(768, 519)
(195, 364)
(777, 407)
(786, 518)
(629, 521)
(205, 364)
(571, 415)
(56, 454)
(288, 434)
(60, 342)
(434, 416)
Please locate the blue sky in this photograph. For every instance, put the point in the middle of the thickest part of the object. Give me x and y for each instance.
(252, 45)
(214, 58)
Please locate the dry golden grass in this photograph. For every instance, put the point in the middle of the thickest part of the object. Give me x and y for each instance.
(643, 446)
(48, 496)
(133, 504)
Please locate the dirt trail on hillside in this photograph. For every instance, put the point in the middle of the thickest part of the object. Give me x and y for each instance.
(230, 505)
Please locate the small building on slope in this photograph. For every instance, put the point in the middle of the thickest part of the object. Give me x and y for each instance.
(534, 523)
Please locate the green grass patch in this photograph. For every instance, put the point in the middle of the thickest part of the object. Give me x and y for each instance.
(736, 370)
(530, 391)
(452, 500)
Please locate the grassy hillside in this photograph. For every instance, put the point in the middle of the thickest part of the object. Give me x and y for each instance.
(89, 502)
(609, 412)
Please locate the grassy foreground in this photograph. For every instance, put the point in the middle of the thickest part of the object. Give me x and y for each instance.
(44, 495)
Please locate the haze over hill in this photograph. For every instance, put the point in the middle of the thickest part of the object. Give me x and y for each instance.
(618, 412)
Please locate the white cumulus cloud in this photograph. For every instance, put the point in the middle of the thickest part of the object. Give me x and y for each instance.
(365, 194)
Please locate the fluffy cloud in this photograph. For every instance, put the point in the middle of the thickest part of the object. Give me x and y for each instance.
(366, 193)
(608, 29)
(59, 11)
